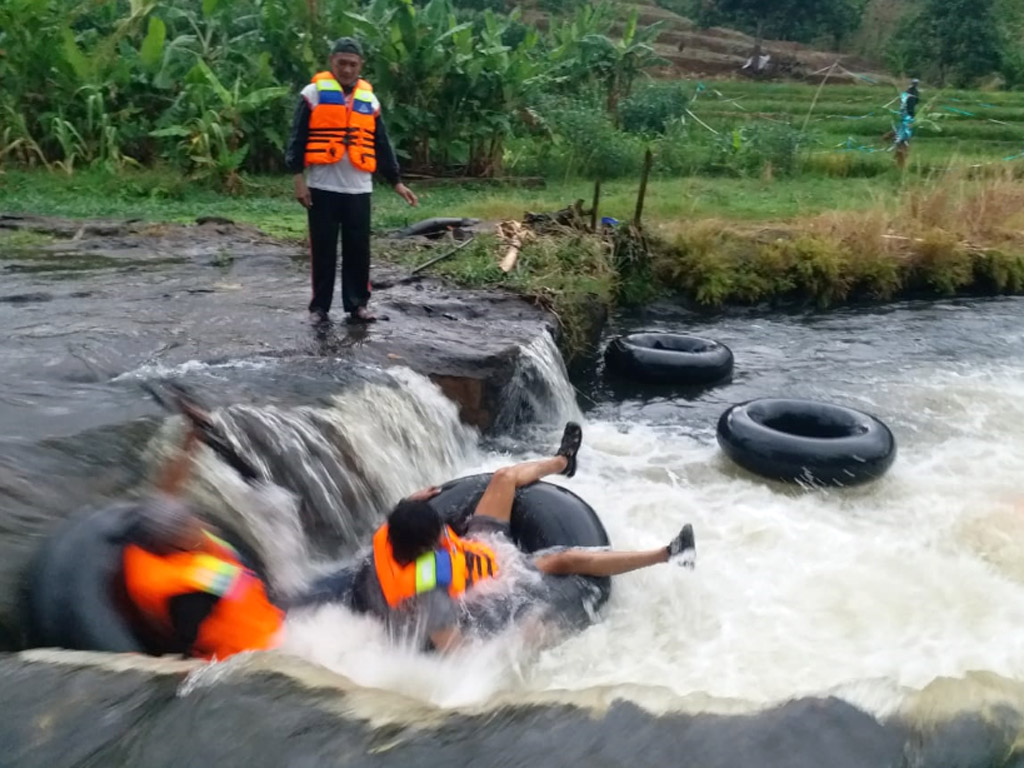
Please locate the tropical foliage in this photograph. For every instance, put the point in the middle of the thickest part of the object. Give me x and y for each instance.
(209, 85)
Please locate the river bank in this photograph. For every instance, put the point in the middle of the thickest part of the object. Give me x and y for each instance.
(710, 244)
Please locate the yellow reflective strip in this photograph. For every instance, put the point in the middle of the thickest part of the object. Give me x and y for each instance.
(426, 573)
(219, 541)
(327, 85)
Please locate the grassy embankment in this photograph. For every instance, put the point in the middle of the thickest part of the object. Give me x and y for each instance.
(844, 226)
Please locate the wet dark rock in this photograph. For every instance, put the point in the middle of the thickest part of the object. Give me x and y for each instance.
(971, 741)
(67, 711)
(26, 298)
(219, 290)
(83, 713)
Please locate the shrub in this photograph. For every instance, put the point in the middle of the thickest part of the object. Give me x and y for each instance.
(654, 107)
(579, 139)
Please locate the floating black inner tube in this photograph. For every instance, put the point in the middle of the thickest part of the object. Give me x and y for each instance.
(675, 343)
(669, 358)
(809, 425)
(806, 441)
(544, 515)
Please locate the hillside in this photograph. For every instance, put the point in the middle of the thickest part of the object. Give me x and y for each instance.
(719, 52)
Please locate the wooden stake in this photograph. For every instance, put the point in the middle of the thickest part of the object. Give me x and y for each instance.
(512, 231)
(648, 160)
(442, 257)
(593, 209)
(817, 94)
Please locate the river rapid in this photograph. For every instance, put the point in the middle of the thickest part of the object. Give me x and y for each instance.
(894, 605)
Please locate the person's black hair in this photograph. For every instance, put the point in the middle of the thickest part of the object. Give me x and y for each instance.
(413, 530)
(164, 524)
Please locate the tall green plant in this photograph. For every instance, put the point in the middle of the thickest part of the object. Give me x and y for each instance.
(588, 53)
(208, 84)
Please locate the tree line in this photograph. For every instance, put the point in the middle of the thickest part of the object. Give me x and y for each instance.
(955, 42)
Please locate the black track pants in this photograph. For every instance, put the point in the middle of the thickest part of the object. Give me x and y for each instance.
(351, 213)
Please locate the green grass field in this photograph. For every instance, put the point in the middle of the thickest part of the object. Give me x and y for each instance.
(843, 167)
(164, 196)
(958, 127)
(955, 212)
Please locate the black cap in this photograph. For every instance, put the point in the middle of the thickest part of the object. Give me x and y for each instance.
(347, 45)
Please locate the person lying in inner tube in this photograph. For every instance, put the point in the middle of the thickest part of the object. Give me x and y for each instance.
(191, 591)
(419, 567)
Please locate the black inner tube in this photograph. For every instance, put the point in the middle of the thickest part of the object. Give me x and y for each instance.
(668, 359)
(671, 343)
(544, 515)
(806, 441)
(809, 425)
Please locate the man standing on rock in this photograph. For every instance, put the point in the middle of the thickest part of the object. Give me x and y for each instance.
(339, 135)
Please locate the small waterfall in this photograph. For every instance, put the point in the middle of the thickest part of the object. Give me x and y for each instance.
(540, 392)
(342, 464)
(334, 469)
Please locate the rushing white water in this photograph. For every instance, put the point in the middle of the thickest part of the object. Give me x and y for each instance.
(866, 593)
(350, 459)
(539, 392)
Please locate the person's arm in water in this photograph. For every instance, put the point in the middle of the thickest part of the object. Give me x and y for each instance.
(176, 472)
(437, 616)
(426, 494)
(446, 640)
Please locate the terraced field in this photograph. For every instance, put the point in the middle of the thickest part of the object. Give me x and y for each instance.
(960, 128)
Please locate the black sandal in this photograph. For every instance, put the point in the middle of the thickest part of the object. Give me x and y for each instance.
(572, 438)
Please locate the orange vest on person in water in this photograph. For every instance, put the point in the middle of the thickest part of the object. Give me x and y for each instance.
(457, 566)
(243, 619)
(339, 124)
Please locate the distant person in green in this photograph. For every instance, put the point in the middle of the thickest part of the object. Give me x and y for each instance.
(909, 99)
(903, 132)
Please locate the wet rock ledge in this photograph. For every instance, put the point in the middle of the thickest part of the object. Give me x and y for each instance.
(72, 710)
(222, 291)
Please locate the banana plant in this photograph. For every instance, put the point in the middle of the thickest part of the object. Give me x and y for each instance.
(214, 137)
(588, 53)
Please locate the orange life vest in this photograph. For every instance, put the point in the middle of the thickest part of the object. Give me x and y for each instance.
(457, 566)
(243, 619)
(339, 124)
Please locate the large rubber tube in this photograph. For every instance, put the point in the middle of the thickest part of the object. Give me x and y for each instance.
(75, 593)
(76, 597)
(435, 226)
(806, 441)
(669, 358)
(543, 516)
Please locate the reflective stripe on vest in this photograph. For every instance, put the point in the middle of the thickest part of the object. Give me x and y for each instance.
(340, 126)
(456, 568)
